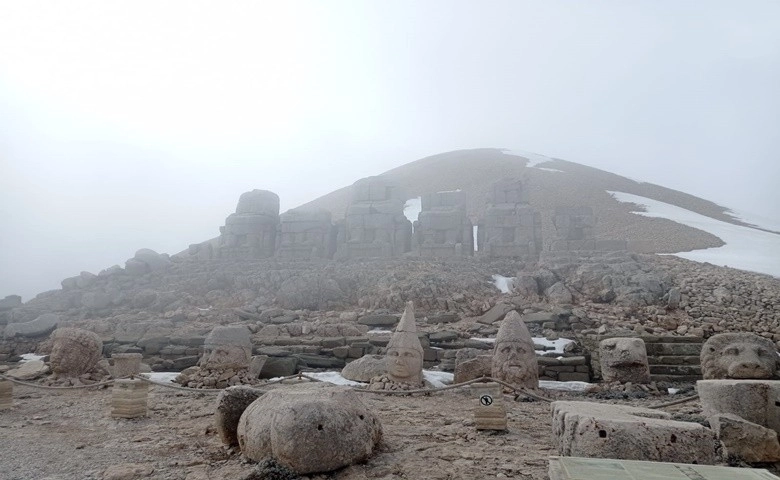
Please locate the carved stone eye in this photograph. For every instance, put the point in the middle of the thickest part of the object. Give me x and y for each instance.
(732, 351)
(762, 352)
(609, 346)
(506, 349)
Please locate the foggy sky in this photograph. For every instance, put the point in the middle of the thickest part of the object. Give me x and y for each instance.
(126, 125)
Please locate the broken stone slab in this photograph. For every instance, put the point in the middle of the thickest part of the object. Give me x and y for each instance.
(474, 368)
(586, 429)
(754, 400)
(379, 320)
(495, 314)
(745, 440)
(42, 325)
(574, 468)
(29, 370)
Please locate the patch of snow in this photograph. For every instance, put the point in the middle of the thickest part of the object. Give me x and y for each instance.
(756, 220)
(332, 377)
(746, 248)
(565, 386)
(412, 208)
(474, 231)
(551, 346)
(534, 159)
(161, 377)
(554, 170)
(204, 309)
(438, 379)
(554, 346)
(29, 357)
(672, 391)
(379, 331)
(503, 283)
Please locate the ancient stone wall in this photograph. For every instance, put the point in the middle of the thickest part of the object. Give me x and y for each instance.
(443, 229)
(510, 227)
(251, 231)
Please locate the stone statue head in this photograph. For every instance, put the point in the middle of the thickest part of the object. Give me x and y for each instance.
(404, 352)
(228, 346)
(74, 351)
(624, 360)
(738, 355)
(514, 356)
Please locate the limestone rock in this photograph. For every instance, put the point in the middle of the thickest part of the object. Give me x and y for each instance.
(753, 400)
(365, 368)
(738, 355)
(473, 368)
(313, 292)
(231, 403)
(128, 471)
(624, 360)
(35, 328)
(559, 293)
(745, 440)
(74, 351)
(586, 429)
(29, 370)
(514, 356)
(309, 428)
(9, 302)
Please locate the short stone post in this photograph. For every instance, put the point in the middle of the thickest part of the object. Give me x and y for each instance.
(128, 398)
(6, 394)
(490, 412)
(126, 364)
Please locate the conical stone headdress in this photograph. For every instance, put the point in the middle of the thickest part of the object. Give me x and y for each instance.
(405, 335)
(513, 329)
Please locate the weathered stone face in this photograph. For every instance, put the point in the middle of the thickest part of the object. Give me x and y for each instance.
(514, 357)
(624, 360)
(74, 351)
(738, 355)
(404, 352)
(227, 347)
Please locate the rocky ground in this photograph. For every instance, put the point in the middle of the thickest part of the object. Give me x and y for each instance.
(58, 435)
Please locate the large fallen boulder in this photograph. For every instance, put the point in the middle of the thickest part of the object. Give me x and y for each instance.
(74, 351)
(365, 368)
(586, 429)
(42, 325)
(309, 428)
(231, 404)
(745, 440)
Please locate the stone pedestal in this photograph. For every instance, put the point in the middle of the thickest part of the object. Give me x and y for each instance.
(490, 411)
(126, 364)
(6, 394)
(757, 401)
(128, 399)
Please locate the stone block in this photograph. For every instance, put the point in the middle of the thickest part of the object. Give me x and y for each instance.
(495, 314)
(474, 368)
(128, 398)
(6, 394)
(754, 400)
(574, 377)
(126, 364)
(489, 410)
(585, 429)
(745, 440)
(42, 325)
(279, 367)
(573, 468)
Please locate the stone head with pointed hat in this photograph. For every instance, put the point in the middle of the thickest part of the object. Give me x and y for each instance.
(405, 352)
(514, 358)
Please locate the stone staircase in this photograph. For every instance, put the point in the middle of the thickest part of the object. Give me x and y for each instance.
(674, 359)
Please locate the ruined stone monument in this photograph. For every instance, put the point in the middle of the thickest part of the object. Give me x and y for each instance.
(740, 394)
(251, 231)
(514, 357)
(74, 352)
(738, 355)
(624, 360)
(575, 230)
(375, 225)
(305, 235)
(227, 347)
(404, 357)
(511, 227)
(443, 229)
